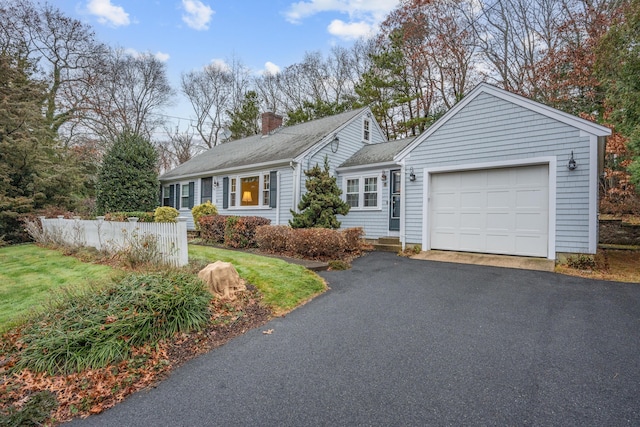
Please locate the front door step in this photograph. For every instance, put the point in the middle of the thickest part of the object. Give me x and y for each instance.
(387, 244)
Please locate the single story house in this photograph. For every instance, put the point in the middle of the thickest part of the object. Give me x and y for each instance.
(498, 173)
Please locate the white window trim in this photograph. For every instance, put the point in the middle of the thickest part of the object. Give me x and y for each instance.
(238, 179)
(361, 179)
(366, 120)
(182, 187)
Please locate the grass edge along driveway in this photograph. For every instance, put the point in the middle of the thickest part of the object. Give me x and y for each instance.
(32, 276)
(284, 286)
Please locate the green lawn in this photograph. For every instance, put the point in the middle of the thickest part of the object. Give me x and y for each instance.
(283, 285)
(30, 277)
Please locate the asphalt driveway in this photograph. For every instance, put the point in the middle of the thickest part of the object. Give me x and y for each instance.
(406, 342)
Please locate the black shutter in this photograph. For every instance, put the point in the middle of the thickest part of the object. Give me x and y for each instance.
(178, 193)
(273, 189)
(172, 195)
(192, 193)
(225, 192)
(160, 196)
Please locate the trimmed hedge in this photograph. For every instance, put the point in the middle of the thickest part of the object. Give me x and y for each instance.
(232, 231)
(315, 243)
(166, 214)
(122, 216)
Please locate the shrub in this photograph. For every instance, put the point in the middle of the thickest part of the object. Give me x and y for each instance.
(94, 329)
(123, 216)
(581, 262)
(166, 214)
(240, 231)
(201, 210)
(353, 239)
(274, 238)
(317, 243)
(212, 227)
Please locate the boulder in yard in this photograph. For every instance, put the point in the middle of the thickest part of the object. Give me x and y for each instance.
(222, 279)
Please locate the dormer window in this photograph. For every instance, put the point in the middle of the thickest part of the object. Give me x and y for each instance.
(366, 130)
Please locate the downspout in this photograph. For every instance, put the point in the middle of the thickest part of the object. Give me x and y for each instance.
(278, 198)
(403, 204)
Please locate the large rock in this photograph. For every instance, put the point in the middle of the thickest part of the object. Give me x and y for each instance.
(222, 279)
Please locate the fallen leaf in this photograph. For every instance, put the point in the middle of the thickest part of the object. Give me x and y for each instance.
(268, 332)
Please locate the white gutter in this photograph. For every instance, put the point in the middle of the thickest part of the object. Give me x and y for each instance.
(389, 164)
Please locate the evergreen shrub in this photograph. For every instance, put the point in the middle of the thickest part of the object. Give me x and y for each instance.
(201, 210)
(166, 214)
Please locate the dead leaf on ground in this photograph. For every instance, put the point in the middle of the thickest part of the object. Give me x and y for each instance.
(268, 332)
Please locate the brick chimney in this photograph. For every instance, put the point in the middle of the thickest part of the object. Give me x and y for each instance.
(270, 122)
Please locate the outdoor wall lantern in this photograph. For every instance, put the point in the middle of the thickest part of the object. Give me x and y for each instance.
(384, 176)
(572, 163)
(335, 143)
(215, 183)
(412, 176)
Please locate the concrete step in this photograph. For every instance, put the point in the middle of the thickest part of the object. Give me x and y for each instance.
(388, 241)
(386, 248)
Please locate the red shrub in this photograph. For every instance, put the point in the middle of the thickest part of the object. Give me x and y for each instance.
(322, 243)
(212, 227)
(240, 231)
(274, 238)
(353, 239)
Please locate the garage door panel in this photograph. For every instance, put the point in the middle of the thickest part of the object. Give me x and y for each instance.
(499, 221)
(502, 211)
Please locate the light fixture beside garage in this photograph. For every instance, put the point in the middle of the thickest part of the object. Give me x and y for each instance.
(412, 176)
(572, 165)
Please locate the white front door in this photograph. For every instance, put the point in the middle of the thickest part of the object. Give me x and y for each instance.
(499, 211)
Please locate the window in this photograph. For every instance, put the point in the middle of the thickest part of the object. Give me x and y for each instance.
(353, 192)
(254, 190)
(366, 131)
(233, 192)
(265, 190)
(362, 192)
(249, 190)
(206, 188)
(184, 202)
(370, 192)
(166, 195)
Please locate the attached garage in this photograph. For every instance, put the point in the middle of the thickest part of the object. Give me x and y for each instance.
(502, 174)
(497, 211)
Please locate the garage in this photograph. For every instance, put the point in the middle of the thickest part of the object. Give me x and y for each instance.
(497, 211)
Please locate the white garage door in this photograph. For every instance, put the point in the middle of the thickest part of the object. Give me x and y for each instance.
(499, 211)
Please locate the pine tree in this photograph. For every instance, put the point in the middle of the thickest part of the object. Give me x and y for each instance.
(128, 179)
(321, 203)
(244, 120)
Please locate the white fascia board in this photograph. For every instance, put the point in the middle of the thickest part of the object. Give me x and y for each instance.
(368, 166)
(218, 172)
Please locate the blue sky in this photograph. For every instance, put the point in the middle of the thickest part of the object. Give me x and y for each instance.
(262, 34)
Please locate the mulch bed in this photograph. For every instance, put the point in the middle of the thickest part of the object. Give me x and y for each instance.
(93, 391)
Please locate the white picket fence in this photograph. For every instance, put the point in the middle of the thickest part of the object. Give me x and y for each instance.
(169, 239)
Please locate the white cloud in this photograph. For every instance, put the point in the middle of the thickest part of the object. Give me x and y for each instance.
(364, 15)
(198, 15)
(108, 13)
(359, 9)
(160, 56)
(350, 31)
(271, 68)
(220, 64)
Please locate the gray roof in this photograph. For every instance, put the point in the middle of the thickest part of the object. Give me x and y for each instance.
(377, 153)
(284, 144)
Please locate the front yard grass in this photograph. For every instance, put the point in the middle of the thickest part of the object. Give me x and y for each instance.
(283, 286)
(30, 276)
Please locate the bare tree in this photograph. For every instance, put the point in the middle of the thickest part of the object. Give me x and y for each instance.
(128, 95)
(179, 147)
(64, 51)
(213, 91)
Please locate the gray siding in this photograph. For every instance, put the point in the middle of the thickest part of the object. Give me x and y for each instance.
(490, 129)
(374, 222)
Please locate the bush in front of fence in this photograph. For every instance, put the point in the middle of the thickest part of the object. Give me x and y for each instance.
(232, 231)
(124, 216)
(166, 214)
(314, 243)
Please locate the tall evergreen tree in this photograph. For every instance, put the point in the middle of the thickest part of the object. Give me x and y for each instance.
(128, 178)
(321, 203)
(244, 120)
